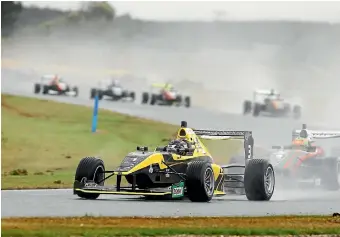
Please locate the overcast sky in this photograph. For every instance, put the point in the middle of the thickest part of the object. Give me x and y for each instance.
(199, 10)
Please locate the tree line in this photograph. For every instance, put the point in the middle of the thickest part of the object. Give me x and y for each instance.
(14, 14)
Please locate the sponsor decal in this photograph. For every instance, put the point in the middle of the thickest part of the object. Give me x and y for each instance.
(91, 185)
(177, 190)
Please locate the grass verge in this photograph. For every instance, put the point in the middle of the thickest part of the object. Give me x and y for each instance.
(43, 141)
(108, 226)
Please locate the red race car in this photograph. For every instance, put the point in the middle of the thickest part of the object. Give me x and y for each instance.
(305, 163)
(56, 85)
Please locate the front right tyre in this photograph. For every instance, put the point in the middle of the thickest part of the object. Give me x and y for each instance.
(200, 181)
(330, 179)
(90, 168)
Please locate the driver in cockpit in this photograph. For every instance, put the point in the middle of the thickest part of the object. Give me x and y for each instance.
(304, 139)
(179, 146)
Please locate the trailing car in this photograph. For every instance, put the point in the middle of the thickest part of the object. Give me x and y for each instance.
(166, 95)
(182, 168)
(55, 85)
(305, 164)
(269, 102)
(113, 90)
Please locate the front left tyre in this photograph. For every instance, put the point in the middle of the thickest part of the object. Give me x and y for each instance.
(246, 107)
(37, 88)
(90, 168)
(259, 180)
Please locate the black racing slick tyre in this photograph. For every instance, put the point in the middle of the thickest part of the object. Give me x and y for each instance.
(37, 88)
(145, 98)
(259, 180)
(92, 93)
(45, 89)
(132, 96)
(179, 100)
(90, 168)
(330, 178)
(187, 101)
(257, 110)
(246, 107)
(200, 181)
(76, 91)
(153, 99)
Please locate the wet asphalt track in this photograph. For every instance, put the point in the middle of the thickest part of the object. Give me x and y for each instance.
(266, 131)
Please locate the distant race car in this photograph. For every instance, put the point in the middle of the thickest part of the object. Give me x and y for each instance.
(55, 85)
(304, 164)
(269, 102)
(112, 89)
(166, 95)
(182, 168)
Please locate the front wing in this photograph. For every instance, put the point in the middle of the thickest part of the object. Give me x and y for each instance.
(91, 187)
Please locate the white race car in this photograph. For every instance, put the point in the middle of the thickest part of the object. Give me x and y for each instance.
(112, 89)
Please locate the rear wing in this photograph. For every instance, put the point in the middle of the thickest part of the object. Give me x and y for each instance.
(162, 85)
(314, 134)
(227, 135)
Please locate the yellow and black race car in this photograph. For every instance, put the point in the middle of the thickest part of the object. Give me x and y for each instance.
(183, 168)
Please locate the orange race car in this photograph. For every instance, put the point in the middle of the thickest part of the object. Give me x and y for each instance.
(269, 102)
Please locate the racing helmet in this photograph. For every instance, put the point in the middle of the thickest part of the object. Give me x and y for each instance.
(178, 144)
(300, 141)
(115, 82)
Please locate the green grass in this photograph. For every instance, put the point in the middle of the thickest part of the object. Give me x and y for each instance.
(47, 139)
(138, 226)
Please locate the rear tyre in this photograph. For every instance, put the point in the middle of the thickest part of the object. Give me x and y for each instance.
(153, 99)
(297, 112)
(133, 96)
(187, 101)
(76, 91)
(259, 180)
(200, 181)
(93, 93)
(100, 94)
(178, 100)
(37, 88)
(90, 168)
(45, 89)
(257, 110)
(246, 107)
(330, 178)
(145, 98)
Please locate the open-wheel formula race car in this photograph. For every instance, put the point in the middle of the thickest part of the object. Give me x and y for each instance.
(53, 84)
(166, 94)
(269, 102)
(112, 89)
(183, 168)
(303, 164)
